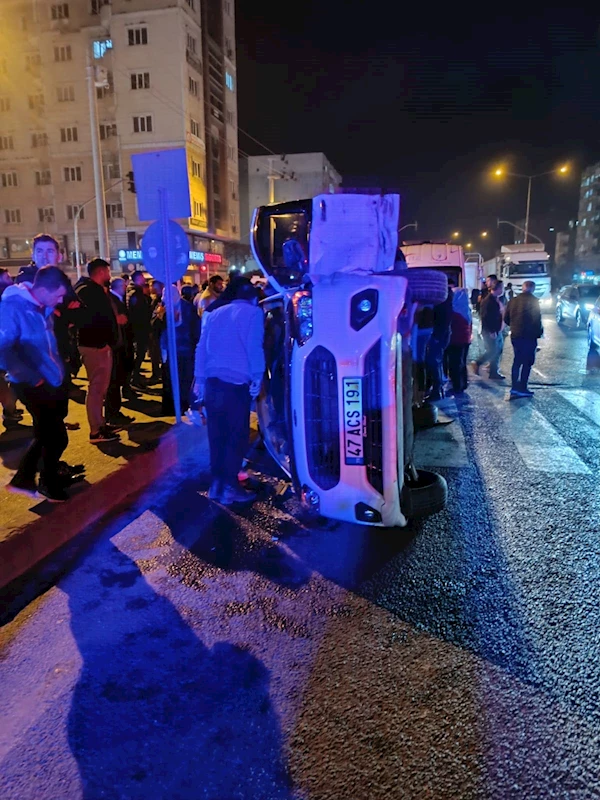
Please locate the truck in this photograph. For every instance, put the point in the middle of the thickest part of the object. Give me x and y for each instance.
(441, 256)
(518, 263)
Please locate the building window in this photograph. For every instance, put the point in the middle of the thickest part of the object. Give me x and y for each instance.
(194, 128)
(227, 7)
(108, 129)
(63, 53)
(229, 81)
(9, 179)
(197, 170)
(191, 44)
(36, 101)
(33, 62)
(107, 88)
(232, 189)
(71, 174)
(59, 11)
(4, 103)
(68, 135)
(191, 4)
(228, 48)
(65, 94)
(39, 139)
(192, 86)
(72, 211)
(100, 47)
(96, 5)
(233, 220)
(43, 177)
(142, 124)
(12, 216)
(7, 143)
(114, 211)
(230, 118)
(46, 214)
(230, 152)
(198, 210)
(140, 80)
(137, 36)
(111, 171)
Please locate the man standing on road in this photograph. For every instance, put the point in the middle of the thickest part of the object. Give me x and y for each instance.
(97, 337)
(524, 317)
(490, 315)
(139, 306)
(229, 368)
(122, 356)
(210, 294)
(29, 355)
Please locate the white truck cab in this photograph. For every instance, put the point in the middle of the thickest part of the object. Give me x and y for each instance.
(518, 263)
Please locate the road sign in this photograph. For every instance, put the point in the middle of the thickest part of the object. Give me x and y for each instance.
(162, 170)
(176, 243)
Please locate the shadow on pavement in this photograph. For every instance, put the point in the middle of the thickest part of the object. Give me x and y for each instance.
(156, 713)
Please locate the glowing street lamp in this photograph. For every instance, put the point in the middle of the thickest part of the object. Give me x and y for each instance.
(456, 234)
(468, 244)
(500, 172)
(484, 234)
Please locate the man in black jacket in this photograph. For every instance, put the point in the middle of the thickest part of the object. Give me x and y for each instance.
(140, 313)
(490, 314)
(524, 317)
(122, 356)
(97, 336)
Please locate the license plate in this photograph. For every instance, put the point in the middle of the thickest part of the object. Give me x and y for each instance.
(353, 421)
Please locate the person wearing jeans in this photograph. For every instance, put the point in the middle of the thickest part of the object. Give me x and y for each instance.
(524, 317)
(29, 356)
(229, 367)
(98, 334)
(491, 325)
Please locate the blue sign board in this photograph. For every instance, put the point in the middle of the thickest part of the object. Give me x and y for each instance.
(162, 169)
(158, 247)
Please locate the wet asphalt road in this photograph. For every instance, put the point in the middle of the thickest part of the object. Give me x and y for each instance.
(197, 652)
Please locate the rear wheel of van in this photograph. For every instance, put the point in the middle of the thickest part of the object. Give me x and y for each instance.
(424, 493)
(427, 286)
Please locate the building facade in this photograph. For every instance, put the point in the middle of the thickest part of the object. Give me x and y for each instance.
(163, 77)
(587, 241)
(280, 178)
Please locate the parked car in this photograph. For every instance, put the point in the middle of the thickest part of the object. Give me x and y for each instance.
(593, 326)
(336, 411)
(574, 303)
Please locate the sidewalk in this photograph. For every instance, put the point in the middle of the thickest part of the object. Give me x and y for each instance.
(32, 529)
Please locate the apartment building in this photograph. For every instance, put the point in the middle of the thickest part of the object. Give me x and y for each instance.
(164, 77)
(587, 241)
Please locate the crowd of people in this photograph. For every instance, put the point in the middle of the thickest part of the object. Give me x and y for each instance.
(447, 336)
(107, 326)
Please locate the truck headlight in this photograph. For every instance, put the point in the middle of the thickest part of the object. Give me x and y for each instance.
(303, 315)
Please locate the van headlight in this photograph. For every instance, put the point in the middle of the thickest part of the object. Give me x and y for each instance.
(303, 315)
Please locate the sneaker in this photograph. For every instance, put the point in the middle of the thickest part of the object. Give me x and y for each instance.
(475, 367)
(120, 419)
(215, 491)
(527, 393)
(235, 494)
(70, 469)
(102, 436)
(56, 494)
(112, 428)
(514, 393)
(24, 486)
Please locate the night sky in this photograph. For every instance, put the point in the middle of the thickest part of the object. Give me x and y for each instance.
(425, 101)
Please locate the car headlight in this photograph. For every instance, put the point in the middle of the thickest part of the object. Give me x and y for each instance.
(303, 315)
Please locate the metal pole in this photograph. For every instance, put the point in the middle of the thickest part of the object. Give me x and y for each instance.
(271, 179)
(103, 248)
(528, 206)
(171, 334)
(76, 235)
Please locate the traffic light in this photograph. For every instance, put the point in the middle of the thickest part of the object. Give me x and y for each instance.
(131, 182)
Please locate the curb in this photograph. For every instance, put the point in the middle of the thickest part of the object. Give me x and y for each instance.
(29, 545)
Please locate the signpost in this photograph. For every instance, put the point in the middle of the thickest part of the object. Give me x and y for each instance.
(161, 178)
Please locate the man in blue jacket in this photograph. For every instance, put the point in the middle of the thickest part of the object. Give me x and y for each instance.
(29, 355)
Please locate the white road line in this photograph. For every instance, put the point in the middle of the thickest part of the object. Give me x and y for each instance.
(585, 401)
(443, 445)
(539, 444)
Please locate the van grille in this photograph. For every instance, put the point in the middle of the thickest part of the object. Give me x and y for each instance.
(322, 419)
(373, 417)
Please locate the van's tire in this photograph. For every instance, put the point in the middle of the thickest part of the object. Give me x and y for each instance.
(425, 416)
(427, 286)
(426, 496)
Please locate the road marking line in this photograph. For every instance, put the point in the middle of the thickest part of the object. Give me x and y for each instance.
(585, 401)
(541, 374)
(443, 445)
(539, 444)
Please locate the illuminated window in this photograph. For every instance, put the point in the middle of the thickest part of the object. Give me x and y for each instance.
(194, 128)
(198, 210)
(229, 81)
(100, 47)
(4, 103)
(63, 53)
(8, 179)
(12, 216)
(59, 11)
(142, 124)
(72, 212)
(71, 174)
(7, 143)
(140, 80)
(137, 36)
(46, 214)
(43, 177)
(69, 135)
(65, 94)
(197, 171)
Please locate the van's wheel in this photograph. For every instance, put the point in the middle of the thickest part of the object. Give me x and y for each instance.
(424, 493)
(427, 286)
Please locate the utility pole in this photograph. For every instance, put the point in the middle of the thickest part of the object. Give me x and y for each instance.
(271, 178)
(104, 250)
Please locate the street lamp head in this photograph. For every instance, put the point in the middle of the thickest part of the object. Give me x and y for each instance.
(499, 172)
(468, 244)
(564, 169)
(484, 234)
(456, 234)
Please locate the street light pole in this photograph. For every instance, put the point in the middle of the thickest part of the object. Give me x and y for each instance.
(528, 207)
(97, 159)
(414, 225)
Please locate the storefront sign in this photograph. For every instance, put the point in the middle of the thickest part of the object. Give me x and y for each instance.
(195, 256)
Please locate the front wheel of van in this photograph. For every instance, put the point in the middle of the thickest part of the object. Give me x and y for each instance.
(424, 493)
